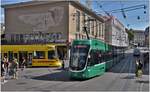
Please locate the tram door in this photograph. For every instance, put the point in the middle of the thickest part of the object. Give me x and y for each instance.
(16, 55)
(21, 55)
(29, 59)
(10, 56)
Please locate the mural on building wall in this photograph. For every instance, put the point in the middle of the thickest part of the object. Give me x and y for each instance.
(37, 37)
(42, 21)
(44, 37)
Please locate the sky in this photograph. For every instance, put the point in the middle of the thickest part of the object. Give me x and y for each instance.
(99, 6)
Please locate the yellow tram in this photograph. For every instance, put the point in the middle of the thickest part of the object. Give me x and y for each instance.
(36, 54)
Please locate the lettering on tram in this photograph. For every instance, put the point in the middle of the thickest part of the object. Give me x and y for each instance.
(78, 57)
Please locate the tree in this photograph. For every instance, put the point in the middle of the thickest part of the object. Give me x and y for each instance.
(130, 34)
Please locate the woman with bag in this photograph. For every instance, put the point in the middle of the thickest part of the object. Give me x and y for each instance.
(139, 66)
(13, 68)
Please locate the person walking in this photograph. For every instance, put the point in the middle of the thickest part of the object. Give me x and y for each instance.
(13, 68)
(23, 65)
(139, 66)
(2, 71)
(5, 66)
(16, 67)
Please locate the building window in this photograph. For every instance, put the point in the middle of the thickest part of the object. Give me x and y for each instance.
(103, 30)
(79, 36)
(93, 28)
(84, 19)
(12, 38)
(88, 26)
(17, 37)
(21, 38)
(78, 21)
(100, 29)
(76, 36)
(96, 29)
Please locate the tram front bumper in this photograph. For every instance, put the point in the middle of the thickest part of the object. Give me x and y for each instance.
(78, 75)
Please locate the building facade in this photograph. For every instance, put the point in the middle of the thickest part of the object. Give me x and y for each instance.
(115, 33)
(139, 37)
(146, 37)
(50, 22)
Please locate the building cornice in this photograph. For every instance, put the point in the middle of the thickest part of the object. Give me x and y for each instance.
(33, 3)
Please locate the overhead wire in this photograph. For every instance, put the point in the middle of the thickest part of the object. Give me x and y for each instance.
(101, 7)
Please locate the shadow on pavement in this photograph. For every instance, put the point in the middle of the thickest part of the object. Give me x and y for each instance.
(21, 83)
(56, 76)
(118, 67)
(129, 77)
(142, 81)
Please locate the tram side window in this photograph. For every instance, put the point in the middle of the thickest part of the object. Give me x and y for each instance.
(39, 55)
(99, 57)
(51, 54)
(104, 56)
(94, 58)
(107, 56)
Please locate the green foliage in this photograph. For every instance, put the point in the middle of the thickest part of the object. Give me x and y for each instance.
(130, 34)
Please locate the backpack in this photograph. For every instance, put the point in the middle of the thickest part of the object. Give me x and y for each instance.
(14, 65)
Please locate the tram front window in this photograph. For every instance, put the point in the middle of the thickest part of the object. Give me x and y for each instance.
(78, 57)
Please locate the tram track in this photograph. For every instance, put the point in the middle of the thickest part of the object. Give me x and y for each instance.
(123, 67)
(131, 69)
(127, 83)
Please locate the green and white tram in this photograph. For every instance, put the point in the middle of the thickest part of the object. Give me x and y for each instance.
(88, 58)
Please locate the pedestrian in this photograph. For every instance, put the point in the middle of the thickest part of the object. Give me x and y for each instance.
(6, 64)
(13, 68)
(139, 66)
(63, 66)
(64, 59)
(16, 67)
(2, 71)
(23, 65)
